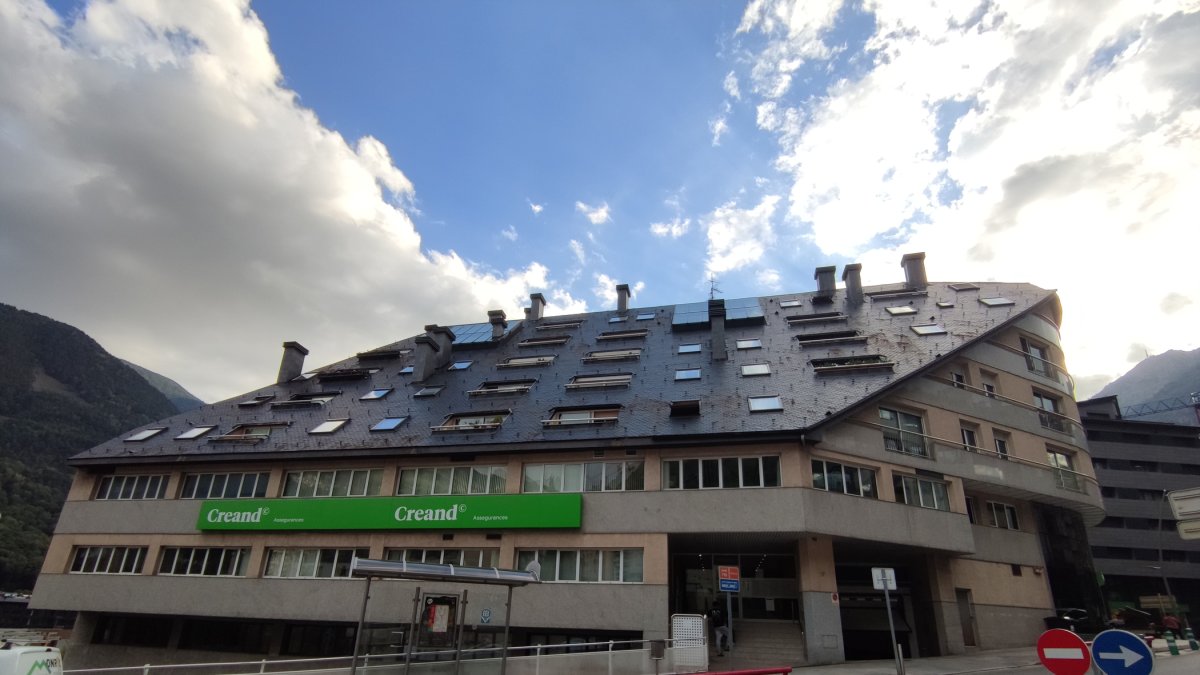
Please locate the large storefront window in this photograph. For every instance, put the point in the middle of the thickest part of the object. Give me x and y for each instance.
(586, 565)
(720, 472)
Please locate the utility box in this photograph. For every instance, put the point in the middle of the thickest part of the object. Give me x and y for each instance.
(26, 660)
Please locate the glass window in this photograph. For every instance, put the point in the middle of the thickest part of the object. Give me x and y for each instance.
(903, 432)
(790, 303)
(902, 310)
(851, 480)
(928, 329)
(587, 416)
(376, 394)
(765, 403)
(970, 439)
(600, 381)
(457, 480)
(749, 343)
(1049, 413)
(108, 560)
(928, 494)
(690, 348)
(339, 483)
(311, 563)
(687, 374)
(145, 433)
(1002, 516)
(996, 302)
(720, 472)
(1064, 470)
(482, 421)
(753, 369)
(132, 487)
(207, 562)
(195, 432)
(645, 316)
(526, 361)
(617, 319)
(425, 392)
(328, 426)
(224, 485)
(388, 423)
(406, 370)
(585, 565)
(460, 365)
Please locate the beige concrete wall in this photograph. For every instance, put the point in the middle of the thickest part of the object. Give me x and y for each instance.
(994, 584)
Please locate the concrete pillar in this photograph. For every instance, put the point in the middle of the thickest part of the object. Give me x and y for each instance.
(937, 608)
(822, 616)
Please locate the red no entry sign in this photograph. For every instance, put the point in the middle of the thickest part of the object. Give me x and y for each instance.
(1063, 652)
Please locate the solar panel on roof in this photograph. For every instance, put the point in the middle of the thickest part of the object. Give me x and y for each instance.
(474, 333)
(690, 313)
(743, 308)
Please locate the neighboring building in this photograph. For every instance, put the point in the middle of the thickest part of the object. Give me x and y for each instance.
(1137, 547)
(803, 437)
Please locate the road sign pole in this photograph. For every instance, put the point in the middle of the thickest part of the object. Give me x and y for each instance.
(896, 653)
(729, 619)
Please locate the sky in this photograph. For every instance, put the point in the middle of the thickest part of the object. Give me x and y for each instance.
(194, 183)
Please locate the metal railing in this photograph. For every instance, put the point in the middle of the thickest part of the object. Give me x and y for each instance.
(612, 657)
(1047, 419)
(1039, 366)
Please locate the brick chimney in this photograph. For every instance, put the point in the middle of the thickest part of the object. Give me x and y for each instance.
(433, 351)
(852, 275)
(914, 271)
(499, 322)
(537, 305)
(825, 284)
(716, 322)
(622, 297)
(292, 363)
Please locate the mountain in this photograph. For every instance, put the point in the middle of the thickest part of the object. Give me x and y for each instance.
(60, 393)
(1172, 374)
(181, 398)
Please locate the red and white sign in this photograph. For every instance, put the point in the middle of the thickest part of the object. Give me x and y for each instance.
(729, 572)
(1064, 653)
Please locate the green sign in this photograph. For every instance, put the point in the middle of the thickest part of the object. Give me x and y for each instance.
(393, 513)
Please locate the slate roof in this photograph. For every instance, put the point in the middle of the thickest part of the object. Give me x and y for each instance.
(810, 398)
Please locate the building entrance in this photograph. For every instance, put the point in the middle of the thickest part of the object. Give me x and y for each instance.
(769, 585)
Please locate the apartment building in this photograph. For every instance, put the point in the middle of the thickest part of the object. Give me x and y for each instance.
(804, 438)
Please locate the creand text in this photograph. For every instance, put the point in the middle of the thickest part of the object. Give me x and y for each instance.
(219, 516)
(405, 514)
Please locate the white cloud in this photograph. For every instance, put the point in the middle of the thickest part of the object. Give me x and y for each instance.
(577, 249)
(674, 229)
(153, 158)
(536, 208)
(718, 127)
(1014, 143)
(509, 233)
(596, 215)
(731, 86)
(738, 237)
(605, 290)
(769, 279)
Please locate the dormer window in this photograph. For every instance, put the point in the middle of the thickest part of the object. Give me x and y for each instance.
(253, 432)
(316, 399)
(549, 340)
(484, 421)
(600, 381)
(500, 387)
(526, 361)
(613, 355)
(623, 335)
(572, 416)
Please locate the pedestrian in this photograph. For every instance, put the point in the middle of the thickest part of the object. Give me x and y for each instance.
(1171, 622)
(720, 627)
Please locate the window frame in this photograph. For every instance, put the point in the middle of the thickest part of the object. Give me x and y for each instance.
(764, 399)
(901, 482)
(451, 479)
(677, 472)
(895, 437)
(844, 470)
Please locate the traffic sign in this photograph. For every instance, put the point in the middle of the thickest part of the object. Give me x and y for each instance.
(1119, 652)
(883, 578)
(729, 578)
(1063, 652)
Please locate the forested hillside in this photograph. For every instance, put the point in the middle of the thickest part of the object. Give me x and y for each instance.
(60, 393)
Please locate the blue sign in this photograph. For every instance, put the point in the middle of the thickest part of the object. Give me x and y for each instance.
(1119, 652)
(731, 585)
(486, 615)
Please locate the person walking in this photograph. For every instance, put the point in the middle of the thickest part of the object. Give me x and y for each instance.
(720, 627)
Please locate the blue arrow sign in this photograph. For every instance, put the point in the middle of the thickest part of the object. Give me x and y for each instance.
(731, 585)
(1119, 652)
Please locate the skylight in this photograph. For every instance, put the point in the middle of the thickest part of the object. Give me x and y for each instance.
(963, 287)
(328, 426)
(617, 319)
(645, 316)
(427, 392)
(256, 401)
(623, 334)
(997, 302)
(816, 317)
(945, 305)
(690, 348)
(460, 365)
(929, 329)
(790, 303)
(600, 381)
(752, 369)
(523, 361)
(146, 433)
(687, 374)
(484, 421)
(195, 432)
(749, 343)
(544, 341)
(902, 310)
(496, 387)
(375, 394)
(765, 403)
(613, 355)
(389, 423)
(406, 370)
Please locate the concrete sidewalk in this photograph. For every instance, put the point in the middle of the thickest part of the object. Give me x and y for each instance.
(997, 660)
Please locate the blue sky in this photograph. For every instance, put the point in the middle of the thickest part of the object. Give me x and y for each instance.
(194, 183)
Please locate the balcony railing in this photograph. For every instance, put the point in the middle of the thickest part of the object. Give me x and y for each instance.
(1047, 419)
(1039, 366)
